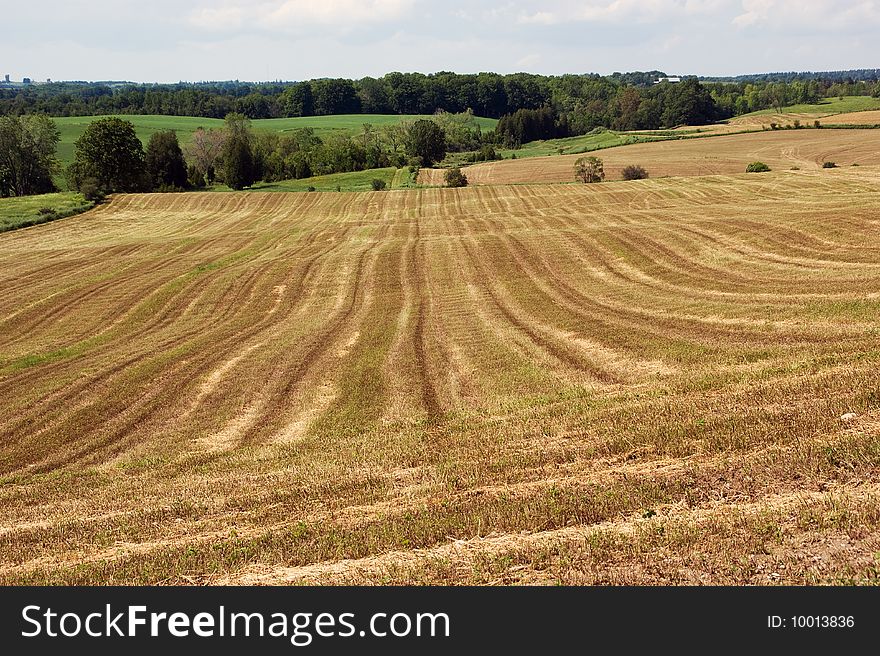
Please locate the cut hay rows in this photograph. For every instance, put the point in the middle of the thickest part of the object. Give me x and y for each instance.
(529, 383)
(717, 155)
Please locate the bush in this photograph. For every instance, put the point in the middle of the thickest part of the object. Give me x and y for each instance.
(634, 172)
(45, 210)
(589, 169)
(829, 165)
(455, 178)
(757, 167)
(377, 184)
(194, 177)
(311, 188)
(817, 124)
(91, 190)
(797, 124)
(774, 126)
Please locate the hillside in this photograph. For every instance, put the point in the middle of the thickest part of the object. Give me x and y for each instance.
(72, 127)
(726, 154)
(619, 383)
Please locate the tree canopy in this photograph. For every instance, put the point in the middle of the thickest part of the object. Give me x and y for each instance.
(239, 167)
(110, 155)
(426, 141)
(27, 154)
(164, 161)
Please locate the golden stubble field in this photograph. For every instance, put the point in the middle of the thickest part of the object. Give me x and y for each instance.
(805, 149)
(622, 383)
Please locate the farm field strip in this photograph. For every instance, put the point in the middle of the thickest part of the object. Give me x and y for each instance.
(715, 155)
(342, 387)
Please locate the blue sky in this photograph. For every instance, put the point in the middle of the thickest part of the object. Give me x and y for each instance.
(167, 41)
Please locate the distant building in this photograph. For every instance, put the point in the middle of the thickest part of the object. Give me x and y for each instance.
(48, 80)
(667, 79)
(25, 80)
(6, 79)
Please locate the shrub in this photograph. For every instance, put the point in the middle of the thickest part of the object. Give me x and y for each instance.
(91, 190)
(817, 124)
(757, 167)
(194, 177)
(829, 165)
(45, 210)
(311, 188)
(634, 172)
(455, 178)
(797, 124)
(377, 184)
(774, 126)
(589, 169)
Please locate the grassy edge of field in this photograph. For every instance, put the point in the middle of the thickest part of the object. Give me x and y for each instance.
(393, 178)
(26, 211)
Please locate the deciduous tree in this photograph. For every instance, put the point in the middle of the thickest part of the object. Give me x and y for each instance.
(110, 154)
(589, 169)
(426, 141)
(27, 154)
(164, 161)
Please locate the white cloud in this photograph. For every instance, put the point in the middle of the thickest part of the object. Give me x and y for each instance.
(297, 15)
(619, 11)
(817, 15)
(223, 18)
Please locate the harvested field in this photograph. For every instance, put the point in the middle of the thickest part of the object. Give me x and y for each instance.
(622, 383)
(853, 118)
(781, 149)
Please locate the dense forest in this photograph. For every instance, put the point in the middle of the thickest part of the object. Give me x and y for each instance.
(529, 107)
(852, 76)
(579, 102)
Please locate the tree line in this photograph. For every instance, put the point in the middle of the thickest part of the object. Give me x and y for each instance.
(587, 100)
(109, 156)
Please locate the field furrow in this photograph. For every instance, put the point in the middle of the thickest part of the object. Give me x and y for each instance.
(661, 381)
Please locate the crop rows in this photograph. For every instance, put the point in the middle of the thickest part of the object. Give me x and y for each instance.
(630, 382)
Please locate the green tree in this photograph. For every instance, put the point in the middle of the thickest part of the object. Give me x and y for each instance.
(426, 141)
(164, 161)
(110, 155)
(239, 167)
(589, 169)
(27, 154)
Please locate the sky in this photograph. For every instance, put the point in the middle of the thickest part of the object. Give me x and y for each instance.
(260, 40)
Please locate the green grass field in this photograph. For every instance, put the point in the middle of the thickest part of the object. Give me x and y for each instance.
(24, 211)
(568, 145)
(827, 106)
(354, 181)
(71, 127)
